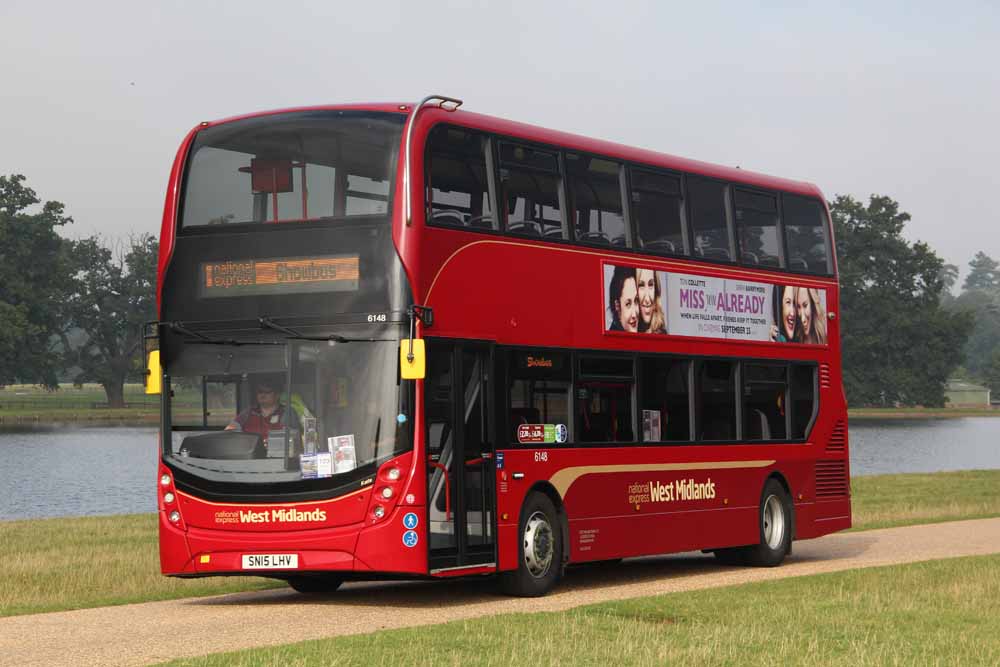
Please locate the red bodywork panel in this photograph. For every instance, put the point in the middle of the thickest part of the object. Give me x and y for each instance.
(523, 292)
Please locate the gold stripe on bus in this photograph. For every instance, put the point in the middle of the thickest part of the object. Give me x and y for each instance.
(563, 479)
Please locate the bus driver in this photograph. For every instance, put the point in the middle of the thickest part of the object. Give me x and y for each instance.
(267, 413)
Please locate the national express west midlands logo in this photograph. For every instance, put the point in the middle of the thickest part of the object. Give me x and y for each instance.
(678, 490)
(291, 515)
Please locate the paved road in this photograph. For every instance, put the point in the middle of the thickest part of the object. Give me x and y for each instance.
(155, 631)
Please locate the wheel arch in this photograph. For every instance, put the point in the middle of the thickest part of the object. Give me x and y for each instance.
(547, 489)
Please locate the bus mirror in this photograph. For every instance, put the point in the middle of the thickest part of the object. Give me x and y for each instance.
(154, 374)
(412, 359)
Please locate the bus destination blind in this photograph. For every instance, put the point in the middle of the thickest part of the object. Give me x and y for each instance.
(282, 275)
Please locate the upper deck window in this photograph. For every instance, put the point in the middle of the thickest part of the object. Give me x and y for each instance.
(709, 221)
(658, 210)
(805, 231)
(530, 191)
(596, 200)
(757, 228)
(315, 165)
(458, 179)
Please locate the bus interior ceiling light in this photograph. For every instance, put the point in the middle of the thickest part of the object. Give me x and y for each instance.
(448, 104)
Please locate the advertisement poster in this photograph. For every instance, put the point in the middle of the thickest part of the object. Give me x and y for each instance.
(644, 301)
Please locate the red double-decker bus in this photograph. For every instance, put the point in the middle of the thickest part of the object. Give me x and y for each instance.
(409, 341)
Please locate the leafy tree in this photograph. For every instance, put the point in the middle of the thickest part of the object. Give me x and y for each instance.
(984, 274)
(115, 293)
(985, 331)
(899, 345)
(34, 276)
(993, 373)
(949, 278)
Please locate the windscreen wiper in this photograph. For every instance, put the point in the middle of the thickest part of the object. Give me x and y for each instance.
(180, 328)
(268, 323)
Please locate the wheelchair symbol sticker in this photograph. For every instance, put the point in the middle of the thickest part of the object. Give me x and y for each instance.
(410, 539)
(410, 520)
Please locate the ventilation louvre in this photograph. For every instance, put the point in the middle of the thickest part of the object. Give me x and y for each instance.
(824, 376)
(838, 439)
(831, 479)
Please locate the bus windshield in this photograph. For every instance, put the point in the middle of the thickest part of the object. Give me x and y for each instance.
(285, 411)
(315, 165)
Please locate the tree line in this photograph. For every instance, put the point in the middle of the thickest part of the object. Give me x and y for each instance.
(69, 309)
(74, 309)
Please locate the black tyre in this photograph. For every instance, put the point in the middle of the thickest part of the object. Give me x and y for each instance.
(731, 556)
(777, 525)
(316, 583)
(539, 552)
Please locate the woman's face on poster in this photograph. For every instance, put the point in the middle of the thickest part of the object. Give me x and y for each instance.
(805, 311)
(788, 314)
(647, 293)
(628, 306)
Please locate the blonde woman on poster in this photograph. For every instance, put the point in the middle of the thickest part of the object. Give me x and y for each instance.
(651, 316)
(812, 318)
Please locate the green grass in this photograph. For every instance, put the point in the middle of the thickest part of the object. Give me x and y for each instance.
(58, 564)
(55, 564)
(28, 403)
(934, 613)
(882, 501)
(920, 413)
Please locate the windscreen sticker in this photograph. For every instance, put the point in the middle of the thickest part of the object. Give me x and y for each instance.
(410, 520)
(542, 433)
(410, 539)
(316, 466)
(342, 449)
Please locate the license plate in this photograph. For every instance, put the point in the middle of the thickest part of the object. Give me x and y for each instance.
(270, 561)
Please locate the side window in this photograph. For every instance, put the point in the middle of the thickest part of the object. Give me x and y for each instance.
(717, 400)
(529, 191)
(658, 212)
(665, 400)
(806, 236)
(765, 401)
(756, 216)
(539, 390)
(604, 400)
(803, 402)
(458, 193)
(595, 200)
(707, 201)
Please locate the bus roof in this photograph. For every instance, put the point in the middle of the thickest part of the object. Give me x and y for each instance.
(568, 140)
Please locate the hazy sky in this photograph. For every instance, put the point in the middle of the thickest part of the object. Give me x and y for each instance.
(895, 98)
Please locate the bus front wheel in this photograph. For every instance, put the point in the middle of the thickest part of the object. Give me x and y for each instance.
(539, 551)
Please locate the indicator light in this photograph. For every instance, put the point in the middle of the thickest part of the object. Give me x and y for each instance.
(168, 497)
(175, 516)
(393, 474)
(386, 492)
(379, 512)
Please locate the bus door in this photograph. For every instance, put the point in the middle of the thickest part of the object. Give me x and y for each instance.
(458, 418)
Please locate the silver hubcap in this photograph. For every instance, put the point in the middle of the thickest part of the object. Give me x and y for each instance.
(774, 522)
(538, 545)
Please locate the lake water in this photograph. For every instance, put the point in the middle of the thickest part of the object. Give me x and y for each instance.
(47, 472)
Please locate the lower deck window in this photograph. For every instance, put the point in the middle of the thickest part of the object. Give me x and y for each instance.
(717, 400)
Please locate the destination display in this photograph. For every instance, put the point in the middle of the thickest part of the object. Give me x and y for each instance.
(282, 275)
(643, 301)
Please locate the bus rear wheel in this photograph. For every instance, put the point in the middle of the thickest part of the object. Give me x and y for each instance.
(539, 551)
(315, 584)
(776, 527)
